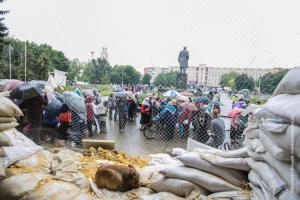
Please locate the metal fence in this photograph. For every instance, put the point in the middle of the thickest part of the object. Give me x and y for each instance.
(141, 119)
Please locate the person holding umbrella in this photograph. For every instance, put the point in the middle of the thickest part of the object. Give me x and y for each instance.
(34, 107)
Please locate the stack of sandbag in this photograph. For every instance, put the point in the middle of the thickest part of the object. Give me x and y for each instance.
(193, 172)
(273, 142)
(13, 144)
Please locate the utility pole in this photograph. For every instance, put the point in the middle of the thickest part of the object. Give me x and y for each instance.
(9, 55)
(25, 59)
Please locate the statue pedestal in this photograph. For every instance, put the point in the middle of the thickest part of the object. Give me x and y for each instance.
(181, 81)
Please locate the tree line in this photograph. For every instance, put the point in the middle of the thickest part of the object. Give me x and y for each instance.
(266, 83)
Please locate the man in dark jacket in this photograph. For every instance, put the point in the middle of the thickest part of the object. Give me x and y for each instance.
(34, 107)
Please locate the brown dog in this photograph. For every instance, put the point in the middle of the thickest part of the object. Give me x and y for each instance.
(117, 177)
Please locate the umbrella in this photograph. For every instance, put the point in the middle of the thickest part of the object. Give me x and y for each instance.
(171, 93)
(188, 106)
(74, 102)
(182, 98)
(239, 104)
(203, 99)
(58, 96)
(244, 91)
(12, 84)
(187, 94)
(235, 112)
(123, 94)
(53, 106)
(28, 90)
(87, 93)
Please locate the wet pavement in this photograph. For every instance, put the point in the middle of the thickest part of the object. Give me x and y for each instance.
(133, 142)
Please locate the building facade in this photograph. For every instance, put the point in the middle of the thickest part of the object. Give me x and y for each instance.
(211, 76)
(154, 71)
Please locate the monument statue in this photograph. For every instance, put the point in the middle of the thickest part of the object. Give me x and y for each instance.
(183, 59)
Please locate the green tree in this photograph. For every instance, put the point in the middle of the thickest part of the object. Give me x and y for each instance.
(166, 79)
(97, 71)
(3, 28)
(125, 74)
(244, 81)
(226, 79)
(41, 59)
(146, 79)
(269, 81)
(75, 70)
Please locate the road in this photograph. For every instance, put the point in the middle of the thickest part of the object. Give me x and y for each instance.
(133, 142)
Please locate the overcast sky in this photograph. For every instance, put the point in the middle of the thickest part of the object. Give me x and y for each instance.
(221, 33)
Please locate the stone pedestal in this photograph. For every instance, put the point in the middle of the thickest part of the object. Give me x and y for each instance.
(181, 81)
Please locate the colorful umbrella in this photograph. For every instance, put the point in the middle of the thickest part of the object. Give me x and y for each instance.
(188, 106)
(12, 84)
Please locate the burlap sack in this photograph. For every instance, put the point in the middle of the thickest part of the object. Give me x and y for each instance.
(8, 108)
(193, 159)
(208, 181)
(7, 126)
(290, 83)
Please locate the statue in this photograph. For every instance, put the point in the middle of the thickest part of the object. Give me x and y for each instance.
(183, 59)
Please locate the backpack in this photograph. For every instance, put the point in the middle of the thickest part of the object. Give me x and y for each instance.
(65, 117)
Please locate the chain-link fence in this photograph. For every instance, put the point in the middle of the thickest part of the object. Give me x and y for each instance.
(104, 103)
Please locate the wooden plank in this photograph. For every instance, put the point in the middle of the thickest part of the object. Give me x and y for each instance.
(105, 144)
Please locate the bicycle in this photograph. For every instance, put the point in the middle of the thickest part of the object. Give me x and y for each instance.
(151, 130)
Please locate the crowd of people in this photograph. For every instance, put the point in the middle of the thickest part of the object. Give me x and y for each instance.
(201, 115)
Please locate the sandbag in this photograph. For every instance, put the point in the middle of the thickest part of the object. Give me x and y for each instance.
(256, 146)
(54, 190)
(276, 151)
(2, 171)
(268, 175)
(245, 195)
(232, 163)
(288, 195)
(257, 193)
(15, 187)
(239, 153)
(179, 187)
(7, 126)
(290, 83)
(8, 108)
(193, 144)
(193, 159)
(7, 119)
(161, 196)
(208, 181)
(38, 162)
(162, 159)
(258, 182)
(4, 140)
(178, 152)
(2, 153)
(252, 131)
(283, 169)
(85, 196)
(285, 107)
(76, 178)
(22, 147)
(283, 134)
